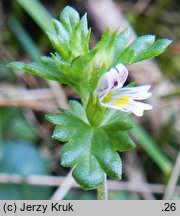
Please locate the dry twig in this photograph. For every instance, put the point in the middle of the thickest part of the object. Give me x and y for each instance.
(33, 99)
(112, 185)
(58, 93)
(64, 187)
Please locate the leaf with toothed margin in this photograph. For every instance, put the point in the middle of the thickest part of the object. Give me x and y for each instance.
(121, 141)
(144, 47)
(156, 49)
(116, 124)
(45, 67)
(121, 43)
(115, 121)
(88, 149)
(71, 37)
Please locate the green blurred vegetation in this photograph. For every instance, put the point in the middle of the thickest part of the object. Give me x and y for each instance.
(24, 159)
(22, 37)
(161, 18)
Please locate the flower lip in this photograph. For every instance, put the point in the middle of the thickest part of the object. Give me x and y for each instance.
(114, 78)
(111, 94)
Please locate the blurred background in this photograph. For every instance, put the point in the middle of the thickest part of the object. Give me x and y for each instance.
(30, 158)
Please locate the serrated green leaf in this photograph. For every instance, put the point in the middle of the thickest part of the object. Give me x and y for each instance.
(54, 118)
(80, 37)
(121, 141)
(76, 109)
(68, 130)
(60, 30)
(116, 124)
(116, 120)
(141, 44)
(69, 18)
(85, 32)
(142, 48)
(46, 68)
(88, 149)
(77, 147)
(68, 122)
(61, 46)
(121, 125)
(67, 126)
(88, 173)
(60, 40)
(105, 154)
(84, 25)
(34, 68)
(127, 57)
(77, 43)
(65, 67)
(156, 49)
(121, 43)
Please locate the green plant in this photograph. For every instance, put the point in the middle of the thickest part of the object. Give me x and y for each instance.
(93, 132)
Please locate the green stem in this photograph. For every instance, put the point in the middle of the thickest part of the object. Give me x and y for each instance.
(102, 190)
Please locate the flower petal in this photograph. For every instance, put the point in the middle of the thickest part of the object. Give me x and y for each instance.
(122, 74)
(135, 93)
(111, 95)
(102, 86)
(112, 79)
(137, 108)
(130, 106)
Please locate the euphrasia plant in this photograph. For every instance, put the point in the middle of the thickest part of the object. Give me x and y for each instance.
(96, 130)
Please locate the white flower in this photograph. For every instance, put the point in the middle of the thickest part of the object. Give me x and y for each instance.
(111, 94)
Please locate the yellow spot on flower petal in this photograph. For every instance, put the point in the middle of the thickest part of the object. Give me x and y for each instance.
(108, 97)
(122, 101)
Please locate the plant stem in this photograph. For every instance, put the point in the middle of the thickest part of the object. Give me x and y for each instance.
(102, 193)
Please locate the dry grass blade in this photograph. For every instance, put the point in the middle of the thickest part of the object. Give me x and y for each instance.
(112, 185)
(59, 94)
(64, 188)
(173, 179)
(32, 99)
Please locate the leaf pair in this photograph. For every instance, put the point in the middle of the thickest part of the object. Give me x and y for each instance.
(74, 64)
